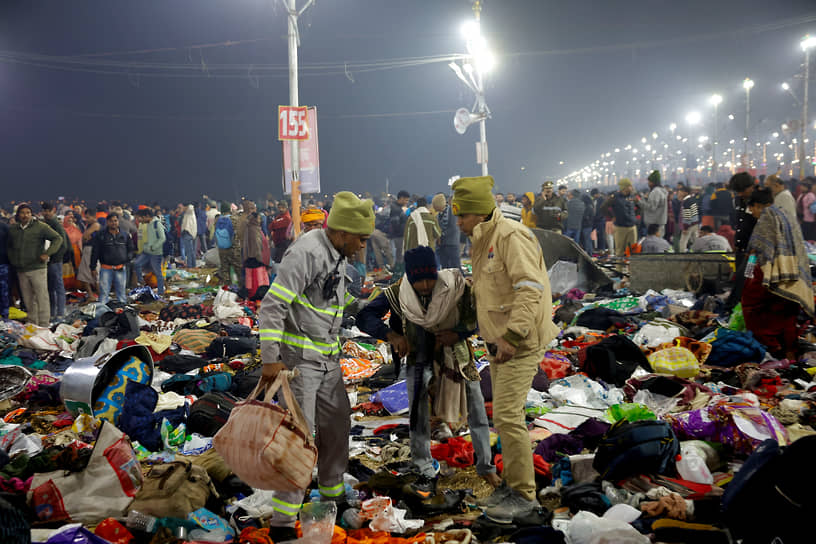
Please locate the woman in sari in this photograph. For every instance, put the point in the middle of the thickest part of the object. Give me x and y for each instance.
(256, 255)
(75, 239)
(84, 274)
(781, 283)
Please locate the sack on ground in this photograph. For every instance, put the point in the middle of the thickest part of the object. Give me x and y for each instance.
(173, 490)
(104, 489)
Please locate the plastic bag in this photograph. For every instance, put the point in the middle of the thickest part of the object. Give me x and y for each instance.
(630, 412)
(563, 276)
(75, 534)
(578, 390)
(737, 320)
(738, 425)
(555, 365)
(394, 398)
(654, 335)
(587, 528)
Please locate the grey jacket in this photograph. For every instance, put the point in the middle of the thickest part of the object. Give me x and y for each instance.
(298, 325)
(575, 214)
(655, 211)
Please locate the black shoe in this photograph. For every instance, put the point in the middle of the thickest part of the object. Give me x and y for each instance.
(423, 487)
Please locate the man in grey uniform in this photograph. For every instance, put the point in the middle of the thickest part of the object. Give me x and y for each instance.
(300, 320)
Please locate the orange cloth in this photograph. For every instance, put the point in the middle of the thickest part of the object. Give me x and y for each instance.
(367, 536)
(312, 214)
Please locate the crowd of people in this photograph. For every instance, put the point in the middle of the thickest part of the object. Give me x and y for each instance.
(306, 284)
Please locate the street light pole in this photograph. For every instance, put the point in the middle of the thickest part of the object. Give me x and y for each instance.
(294, 41)
(472, 73)
(716, 100)
(747, 85)
(477, 10)
(807, 43)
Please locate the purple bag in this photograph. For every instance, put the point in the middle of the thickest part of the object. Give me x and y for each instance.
(75, 535)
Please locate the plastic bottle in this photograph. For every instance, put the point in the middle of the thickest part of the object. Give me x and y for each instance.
(692, 467)
(142, 522)
(749, 267)
(351, 519)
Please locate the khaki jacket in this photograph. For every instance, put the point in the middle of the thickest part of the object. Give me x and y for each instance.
(510, 282)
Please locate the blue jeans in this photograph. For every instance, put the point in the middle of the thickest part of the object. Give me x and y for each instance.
(155, 264)
(421, 436)
(188, 248)
(575, 234)
(5, 288)
(449, 256)
(107, 277)
(586, 239)
(56, 290)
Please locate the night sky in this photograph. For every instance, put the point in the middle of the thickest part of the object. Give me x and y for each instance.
(573, 79)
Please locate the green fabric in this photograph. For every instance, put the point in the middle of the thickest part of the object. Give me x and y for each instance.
(16, 361)
(737, 320)
(631, 412)
(473, 195)
(55, 224)
(350, 214)
(623, 305)
(654, 177)
(26, 245)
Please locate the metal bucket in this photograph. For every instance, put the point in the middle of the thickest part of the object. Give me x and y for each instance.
(85, 379)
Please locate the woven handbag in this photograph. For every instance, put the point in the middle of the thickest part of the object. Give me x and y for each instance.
(265, 445)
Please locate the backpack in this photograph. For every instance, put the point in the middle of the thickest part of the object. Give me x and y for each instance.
(629, 449)
(771, 497)
(224, 232)
(812, 207)
(227, 346)
(210, 412)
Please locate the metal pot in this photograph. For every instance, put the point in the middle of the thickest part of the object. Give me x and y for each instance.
(85, 379)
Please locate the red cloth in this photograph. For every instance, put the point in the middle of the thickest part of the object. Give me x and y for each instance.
(255, 278)
(728, 233)
(542, 467)
(279, 226)
(113, 531)
(456, 452)
(779, 334)
(253, 535)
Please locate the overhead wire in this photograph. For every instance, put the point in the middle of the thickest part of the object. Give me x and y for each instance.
(215, 118)
(93, 63)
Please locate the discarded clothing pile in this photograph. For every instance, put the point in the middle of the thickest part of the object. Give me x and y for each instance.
(649, 420)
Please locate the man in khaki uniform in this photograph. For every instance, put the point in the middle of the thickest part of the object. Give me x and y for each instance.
(514, 311)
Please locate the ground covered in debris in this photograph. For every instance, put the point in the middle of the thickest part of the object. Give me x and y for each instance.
(652, 419)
